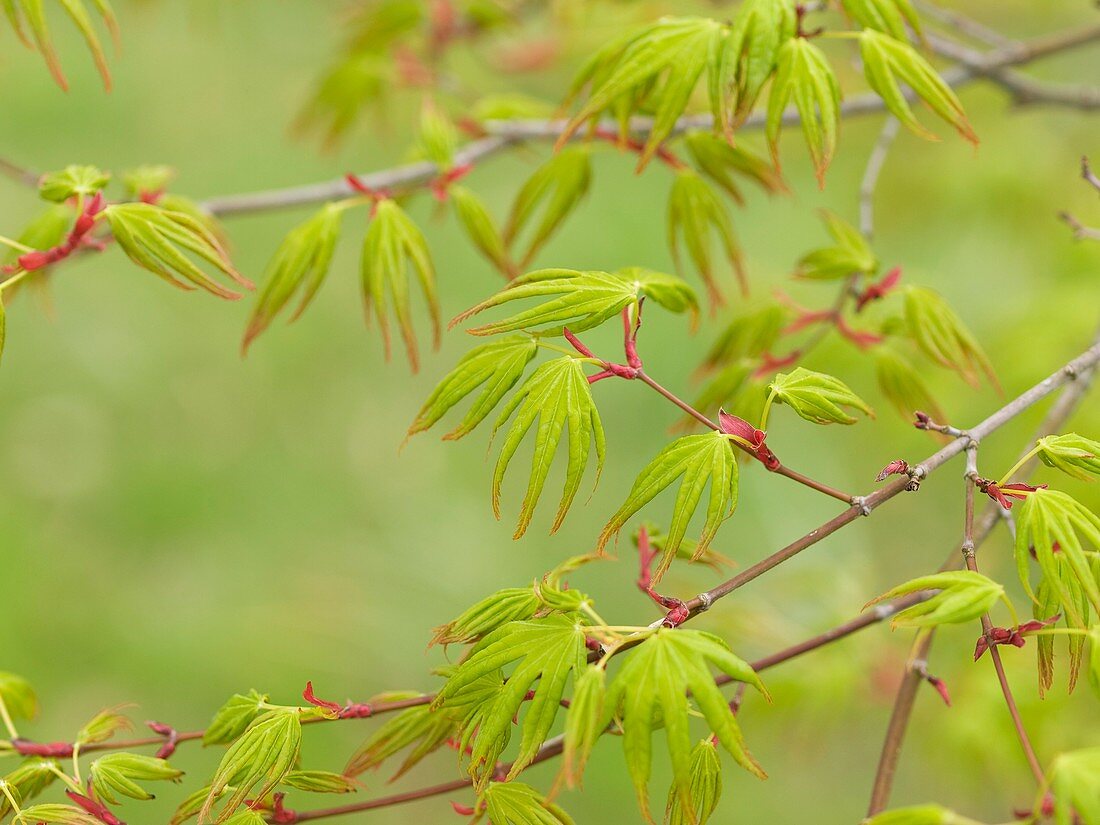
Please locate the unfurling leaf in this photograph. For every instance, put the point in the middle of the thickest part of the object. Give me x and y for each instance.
(156, 239)
(26, 782)
(889, 16)
(45, 231)
(118, 774)
(580, 300)
(697, 460)
(394, 244)
(722, 389)
(234, 717)
(887, 60)
(52, 814)
(661, 64)
(903, 385)
(720, 162)
(805, 78)
(695, 215)
(1048, 602)
(705, 788)
(545, 652)
(656, 679)
(514, 803)
(1073, 454)
(495, 366)
(920, 815)
(963, 596)
(438, 136)
(102, 727)
(509, 605)
(421, 726)
(1075, 784)
(479, 227)
(559, 396)
(1055, 526)
(748, 335)
(817, 397)
(190, 807)
(256, 763)
(941, 335)
(72, 182)
(557, 187)
(747, 58)
(32, 14)
(584, 723)
(18, 696)
(850, 256)
(320, 782)
(301, 262)
(247, 817)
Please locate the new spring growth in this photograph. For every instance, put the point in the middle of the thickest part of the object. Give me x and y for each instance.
(333, 710)
(749, 437)
(77, 238)
(633, 366)
(879, 289)
(171, 738)
(678, 612)
(1014, 636)
(97, 809)
(1002, 493)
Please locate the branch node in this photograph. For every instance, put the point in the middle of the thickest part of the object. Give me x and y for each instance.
(861, 503)
(705, 601)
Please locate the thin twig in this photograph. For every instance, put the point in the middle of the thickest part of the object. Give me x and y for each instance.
(869, 183)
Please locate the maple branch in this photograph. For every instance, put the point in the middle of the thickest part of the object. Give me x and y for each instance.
(869, 183)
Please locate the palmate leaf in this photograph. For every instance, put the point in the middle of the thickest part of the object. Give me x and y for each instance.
(301, 262)
(545, 652)
(851, 254)
(559, 397)
(392, 246)
(478, 224)
(654, 683)
(748, 334)
(903, 385)
(964, 596)
(156, 239)
(695, 216)
(661, 64)
(514, 803)
(555, 189)
(889, 16)
(320, 782)
(31, 14)
(53, 814)
(887, 60)
(103, 726)
(72, 182)
(580, 300)
(27, 781)
(1056, 526)
(724, 164)
(705, 788)
(1073, 454)
(942, 336)
(747, 58)
(804, 77)
(584, 723)
(18, 696)
(256, 763)
(495, 367)
(1075, 783)
(234, 717)
(696, 460)
(1052, 591)
(118, 774)
(817, 397)
(421, 726)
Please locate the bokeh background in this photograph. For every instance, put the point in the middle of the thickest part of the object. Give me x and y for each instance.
(177, 524)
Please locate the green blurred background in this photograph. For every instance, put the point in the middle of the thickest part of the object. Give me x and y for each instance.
(177, 524)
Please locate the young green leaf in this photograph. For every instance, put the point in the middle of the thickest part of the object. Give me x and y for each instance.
(18, 696)
(747, 58)
(559, 397)
(320, 782)
(903, 385)
(394, 244)
(1075, 783)
(52, 814)
(941, 335)
(301, 262)
(705, 788)
(721, 162)
(748, 334)
(1073, 454)
(495, 366)
(26, 782)
(234, 717)
(851, 255)
(697, 460)
(920, 815)
(584, 723)
(514, 803)
(722, 388)
(246, 817)
(190, 807)
(963, 596)
(661, 64)
(556, 188)
(669, 291)
(545, 652)
(72, 182)
(256, 763)
(118, 774)
(1048, 602)
(656, 679)
(803, 76)
(45, 231)
(156, 239)
(32, 13)
(889, 16)
(509, 605)
(695, 215)
(438, 136)
(103, 726)
(478, 224)
(421, 726)
(817, 397)
(1053, 524)
(887, 60)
